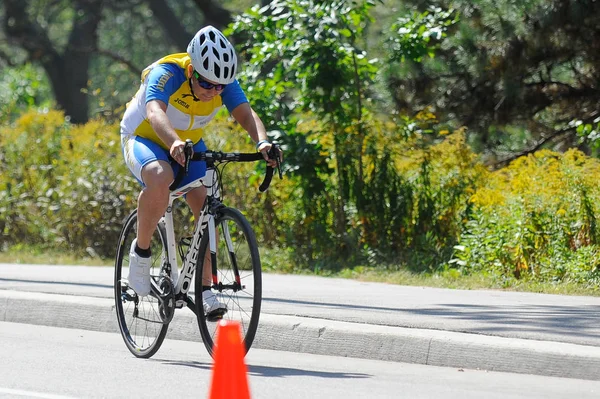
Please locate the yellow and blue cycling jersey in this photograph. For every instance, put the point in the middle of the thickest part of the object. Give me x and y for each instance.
(166, 80)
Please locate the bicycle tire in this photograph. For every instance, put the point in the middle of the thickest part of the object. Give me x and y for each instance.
(143, 334)
(243, 306)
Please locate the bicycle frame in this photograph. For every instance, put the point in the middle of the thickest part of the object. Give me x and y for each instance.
(183, 283)
(206, 221)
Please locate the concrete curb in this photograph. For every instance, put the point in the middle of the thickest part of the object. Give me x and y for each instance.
(333, 338)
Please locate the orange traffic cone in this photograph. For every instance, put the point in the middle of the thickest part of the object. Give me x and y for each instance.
(229, 379)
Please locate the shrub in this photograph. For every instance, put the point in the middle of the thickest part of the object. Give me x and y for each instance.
(408, 207)
(536, 218)
(421, 195)
(63, 186)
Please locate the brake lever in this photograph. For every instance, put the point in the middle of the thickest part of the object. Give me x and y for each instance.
(275, 152)
(279, 168)
(188, 151)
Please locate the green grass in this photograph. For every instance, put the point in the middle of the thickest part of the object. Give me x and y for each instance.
(453, 279)
(38, 256)
(446, 279)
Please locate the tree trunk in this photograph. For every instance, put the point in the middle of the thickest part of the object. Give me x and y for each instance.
(82, 45)
(68, 72)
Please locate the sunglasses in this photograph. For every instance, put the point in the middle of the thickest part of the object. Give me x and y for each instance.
(207, 85)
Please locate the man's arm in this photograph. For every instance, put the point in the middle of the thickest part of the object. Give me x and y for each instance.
(156, 112)
(250, 121)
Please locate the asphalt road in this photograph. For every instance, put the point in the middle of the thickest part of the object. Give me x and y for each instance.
(59, 363)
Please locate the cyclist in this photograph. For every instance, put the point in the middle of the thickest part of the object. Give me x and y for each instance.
(179, 94)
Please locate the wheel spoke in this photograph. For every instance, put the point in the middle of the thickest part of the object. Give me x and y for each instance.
(139, 319)
(237, 251)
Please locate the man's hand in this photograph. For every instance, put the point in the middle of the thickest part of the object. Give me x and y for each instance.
(176, 152)
(264, 147)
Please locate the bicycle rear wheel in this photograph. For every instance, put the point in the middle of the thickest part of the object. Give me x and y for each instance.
(237, 254)
(140, 320)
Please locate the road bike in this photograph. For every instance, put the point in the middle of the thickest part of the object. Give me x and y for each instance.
(222, 238)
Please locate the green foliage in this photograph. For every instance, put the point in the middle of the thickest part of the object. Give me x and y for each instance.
(352, 203)
(20, 89)
(416, 195)
(589, 133)
(537, 219)
(509, 66)
(308, 57)
(418, 35)
(431, 176)
(310, 47)
(63, 186)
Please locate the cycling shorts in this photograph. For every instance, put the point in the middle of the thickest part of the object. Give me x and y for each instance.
(139, 151)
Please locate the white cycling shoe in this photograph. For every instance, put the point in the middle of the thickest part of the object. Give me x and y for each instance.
(211, 304)
(139, 272)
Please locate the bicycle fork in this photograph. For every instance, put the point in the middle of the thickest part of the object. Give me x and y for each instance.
(237, 285)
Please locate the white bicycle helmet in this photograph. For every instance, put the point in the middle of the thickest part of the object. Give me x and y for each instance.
(213, 56)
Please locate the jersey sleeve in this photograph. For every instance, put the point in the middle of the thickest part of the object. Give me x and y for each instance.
(233, 95)
(163, 81)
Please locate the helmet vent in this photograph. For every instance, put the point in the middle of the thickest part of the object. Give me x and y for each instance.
(217, 71)
(216, 53)
(212, 36)
(202, 38)
(226, 72)
(205, 64)
(203, 52)
(225, 57)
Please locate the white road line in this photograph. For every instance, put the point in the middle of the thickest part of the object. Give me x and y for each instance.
(32, 394)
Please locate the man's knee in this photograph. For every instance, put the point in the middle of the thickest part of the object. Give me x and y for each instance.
(158, 174)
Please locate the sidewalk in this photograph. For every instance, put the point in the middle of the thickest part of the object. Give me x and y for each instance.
(491, 330)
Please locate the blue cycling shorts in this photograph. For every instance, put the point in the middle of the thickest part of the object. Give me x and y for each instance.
(139, 151)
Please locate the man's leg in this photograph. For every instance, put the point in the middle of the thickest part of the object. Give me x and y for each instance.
(148, 162)
(152, 203)
(153, 200)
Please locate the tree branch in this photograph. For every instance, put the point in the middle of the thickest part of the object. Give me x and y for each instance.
(134, 69)
(7, 59)
(555, 135)
(88, 14)
(29, 35)
(214, 14)
(121, 5)
(171, 23)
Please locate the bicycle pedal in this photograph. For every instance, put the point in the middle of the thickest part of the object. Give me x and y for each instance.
(127, 293)
(216, 315)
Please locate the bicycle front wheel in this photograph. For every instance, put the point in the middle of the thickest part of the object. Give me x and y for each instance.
(238, 277)
(140, 321)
